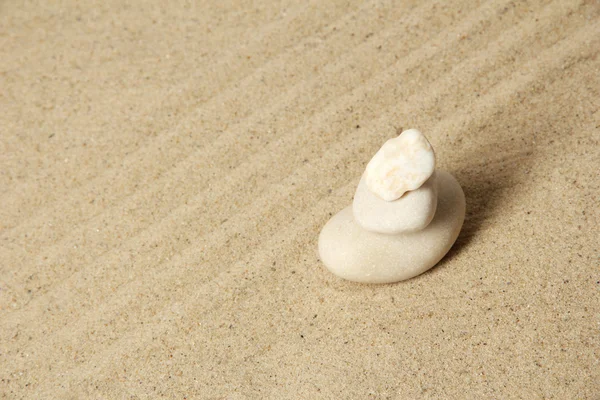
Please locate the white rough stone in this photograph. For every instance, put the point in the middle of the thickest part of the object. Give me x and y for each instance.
(411, 212)
(356, 254)
(402, 164)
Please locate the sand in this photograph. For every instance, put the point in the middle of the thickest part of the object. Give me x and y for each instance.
(165, 169)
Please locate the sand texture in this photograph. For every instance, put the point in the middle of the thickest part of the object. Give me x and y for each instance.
(166, 167)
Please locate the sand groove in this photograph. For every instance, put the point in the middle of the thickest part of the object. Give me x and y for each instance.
(232, 140)
(237, 205)
(186, 167)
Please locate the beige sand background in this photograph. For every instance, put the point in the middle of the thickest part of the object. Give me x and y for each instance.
(166, 167)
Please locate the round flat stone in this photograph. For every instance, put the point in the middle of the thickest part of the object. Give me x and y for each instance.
(356, 254)
(411, 212)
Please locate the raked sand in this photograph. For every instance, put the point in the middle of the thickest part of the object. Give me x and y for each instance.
(166, 167)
